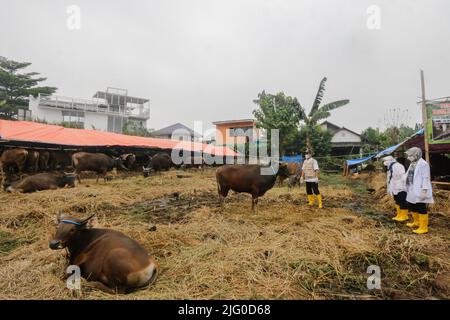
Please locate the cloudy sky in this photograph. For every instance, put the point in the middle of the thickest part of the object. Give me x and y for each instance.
(208, 59)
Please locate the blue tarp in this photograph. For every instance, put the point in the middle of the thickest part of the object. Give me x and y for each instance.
(389, 150)
(385, 152)
(353, 162)
(297, 158)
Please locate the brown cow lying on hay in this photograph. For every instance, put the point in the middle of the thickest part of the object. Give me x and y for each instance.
(116, 262)
(42, 181)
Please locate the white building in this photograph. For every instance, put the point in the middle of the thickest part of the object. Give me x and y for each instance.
(344, 141)
(107, 110)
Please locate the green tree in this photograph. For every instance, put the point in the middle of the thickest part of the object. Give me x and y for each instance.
(320, 140)
(372, 140)
(375, 140)
(17, 86)
(278, 112)
(132, 129)
(317, 112)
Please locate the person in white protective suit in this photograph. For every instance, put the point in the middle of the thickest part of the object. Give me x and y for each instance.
(396, 186)
(419, 190)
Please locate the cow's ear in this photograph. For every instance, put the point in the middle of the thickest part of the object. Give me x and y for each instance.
(87, 223)
(59, 217)
(91, 223)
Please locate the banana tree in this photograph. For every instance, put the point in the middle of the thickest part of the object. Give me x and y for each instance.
(317, 112)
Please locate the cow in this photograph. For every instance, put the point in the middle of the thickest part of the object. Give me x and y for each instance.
(160, 161)
(293, 180)
(44, 157)
(60, 160)
(294, 168)
(128, 160)
(42, 181)
(13, 158)
(33, 161)
(247, 178)
(97, 162)
(114, 261)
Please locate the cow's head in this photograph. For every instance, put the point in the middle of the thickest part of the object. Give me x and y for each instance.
(118, 163)
(283, 170)
(66, 228)
(69, 179)
(146, 171)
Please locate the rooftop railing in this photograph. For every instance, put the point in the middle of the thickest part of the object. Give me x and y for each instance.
(93, 105)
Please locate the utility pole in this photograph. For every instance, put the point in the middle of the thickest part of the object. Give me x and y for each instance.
(425, 119)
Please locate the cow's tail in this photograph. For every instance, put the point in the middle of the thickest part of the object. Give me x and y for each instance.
(218, 184)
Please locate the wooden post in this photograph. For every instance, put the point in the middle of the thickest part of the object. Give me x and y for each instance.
(425, 119)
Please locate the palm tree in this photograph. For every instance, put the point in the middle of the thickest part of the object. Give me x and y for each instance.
(317, 112)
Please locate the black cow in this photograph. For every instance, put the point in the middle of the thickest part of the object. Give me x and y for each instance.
(160, 161)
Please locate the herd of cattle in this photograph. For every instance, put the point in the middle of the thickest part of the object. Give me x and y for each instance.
(112, 260)
(28, 170)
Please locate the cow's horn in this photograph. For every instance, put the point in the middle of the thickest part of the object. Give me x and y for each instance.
(87, 219)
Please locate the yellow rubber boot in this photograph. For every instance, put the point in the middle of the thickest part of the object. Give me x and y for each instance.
(319, 200)
(397, 210)
(310, 199)
(415, 222)
(402, 216)
(423, 224)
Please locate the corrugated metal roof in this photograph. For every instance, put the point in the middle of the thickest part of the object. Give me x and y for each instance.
(26, 131)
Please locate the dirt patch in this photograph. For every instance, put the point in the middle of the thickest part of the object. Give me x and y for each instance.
(173, 207)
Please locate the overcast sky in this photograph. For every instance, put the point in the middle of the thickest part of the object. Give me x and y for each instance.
(207, 60)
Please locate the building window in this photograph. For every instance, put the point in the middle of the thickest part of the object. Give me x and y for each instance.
(115, 123)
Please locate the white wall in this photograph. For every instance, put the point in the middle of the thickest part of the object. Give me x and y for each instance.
(49, 115)
(99, 121)
(345, 136)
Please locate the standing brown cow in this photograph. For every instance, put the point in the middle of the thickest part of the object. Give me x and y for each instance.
(115, 261)
(13, 157)
(294, 169)
(97, 162)
(247, 178)
(33, 161)
(44, 157)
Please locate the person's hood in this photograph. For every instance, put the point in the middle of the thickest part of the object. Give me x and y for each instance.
(414, 154)
(388, 160)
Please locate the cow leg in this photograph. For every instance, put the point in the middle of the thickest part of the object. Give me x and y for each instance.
(223, 192)
(2, 173)
(78, 176)
(254, 204)
(100, 286)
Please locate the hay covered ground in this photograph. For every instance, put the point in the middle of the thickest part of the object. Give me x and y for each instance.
(285, 251)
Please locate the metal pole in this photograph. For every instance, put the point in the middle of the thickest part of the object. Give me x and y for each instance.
(425, 119)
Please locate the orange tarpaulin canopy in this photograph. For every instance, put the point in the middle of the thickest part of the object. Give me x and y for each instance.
(25, 131)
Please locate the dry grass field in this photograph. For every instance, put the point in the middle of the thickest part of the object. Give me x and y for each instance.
(284, 251)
